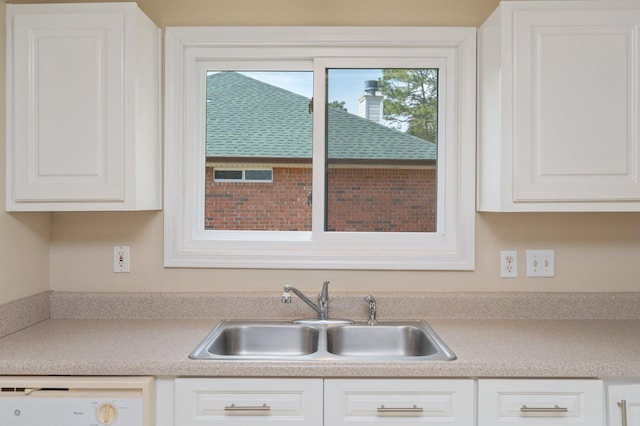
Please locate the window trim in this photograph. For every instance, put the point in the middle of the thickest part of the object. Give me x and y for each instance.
(186, 242)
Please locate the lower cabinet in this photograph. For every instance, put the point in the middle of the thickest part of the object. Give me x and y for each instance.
(294, 402)
(623, 403)
(399, 401)
(203, 402)
(540, 402)
(433, 402)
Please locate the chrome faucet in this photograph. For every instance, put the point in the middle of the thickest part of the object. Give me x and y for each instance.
(322, 308)
(372, 309)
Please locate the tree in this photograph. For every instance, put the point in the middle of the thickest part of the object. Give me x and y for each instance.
(411, 100)
(339, 105)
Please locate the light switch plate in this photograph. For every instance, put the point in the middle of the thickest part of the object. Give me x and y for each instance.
(121, 259)
(541, 263)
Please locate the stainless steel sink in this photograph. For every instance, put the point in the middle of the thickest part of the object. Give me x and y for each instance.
(380, 341)
(258, 339)
(284, 340)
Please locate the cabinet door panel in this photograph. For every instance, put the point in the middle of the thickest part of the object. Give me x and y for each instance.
(392, 402)
(627, 394)
(295, 402)
(576, 102)
(68, 91)
(83, 108)
(540, 402)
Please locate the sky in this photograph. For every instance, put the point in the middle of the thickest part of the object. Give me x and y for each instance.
(345, 85)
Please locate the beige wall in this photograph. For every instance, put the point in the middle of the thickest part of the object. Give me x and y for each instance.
(594, 251)
(310, 12)
(24, 254)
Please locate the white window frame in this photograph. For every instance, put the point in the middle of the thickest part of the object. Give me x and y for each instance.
(190, 51)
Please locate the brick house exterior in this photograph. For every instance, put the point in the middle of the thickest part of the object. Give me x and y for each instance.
(378, 179)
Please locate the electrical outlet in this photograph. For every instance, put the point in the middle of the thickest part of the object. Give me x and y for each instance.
(121, 259)
(509, 263)
(541, 263)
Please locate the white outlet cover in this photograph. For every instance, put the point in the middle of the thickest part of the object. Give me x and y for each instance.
(509, 264)
(541, 263)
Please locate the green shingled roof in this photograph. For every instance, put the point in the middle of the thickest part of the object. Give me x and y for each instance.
(252, 119)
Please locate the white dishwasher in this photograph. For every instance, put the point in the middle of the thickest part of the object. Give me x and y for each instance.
(76, 401)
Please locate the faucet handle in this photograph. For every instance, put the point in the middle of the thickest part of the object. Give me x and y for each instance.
(286, 295)
(372, 309)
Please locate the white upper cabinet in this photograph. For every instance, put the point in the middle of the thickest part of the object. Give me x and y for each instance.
(558, 107)
(83, 108)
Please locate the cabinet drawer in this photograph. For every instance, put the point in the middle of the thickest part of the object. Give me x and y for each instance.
(387, 401)
(248, 402)
(540, 402)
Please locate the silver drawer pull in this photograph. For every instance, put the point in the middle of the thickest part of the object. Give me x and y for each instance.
(414, 409)
(554, 409)
(234, 407)
(623, 408)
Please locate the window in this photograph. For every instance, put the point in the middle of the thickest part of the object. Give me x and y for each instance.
(383, 179)
(242, 175)
(382, 149)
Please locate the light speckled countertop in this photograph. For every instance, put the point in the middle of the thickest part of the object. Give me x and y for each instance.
(605, 348)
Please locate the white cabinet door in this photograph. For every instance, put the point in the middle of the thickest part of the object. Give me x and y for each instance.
(540, 402)
(204, 402)
(399, 401)
(559, 107)
(623, 403)
(83, 113)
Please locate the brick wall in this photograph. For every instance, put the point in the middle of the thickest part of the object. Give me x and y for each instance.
(382, 200)
(280, 205)
(365, 200)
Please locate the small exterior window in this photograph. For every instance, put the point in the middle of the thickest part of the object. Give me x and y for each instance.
(219, 175)
(244, 175)
(258, 175)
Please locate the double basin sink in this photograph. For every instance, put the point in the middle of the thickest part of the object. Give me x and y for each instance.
(410, 340)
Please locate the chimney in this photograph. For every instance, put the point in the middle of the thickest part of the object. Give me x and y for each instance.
(371, 87)
(370, 103)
